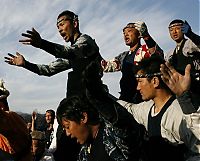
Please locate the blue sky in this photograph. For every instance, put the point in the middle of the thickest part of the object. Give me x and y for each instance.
(103, 20)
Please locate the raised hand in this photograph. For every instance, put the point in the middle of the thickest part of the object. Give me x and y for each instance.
(34, 115)
(185, 28)
(175, 81)
(17, 59)
(33, 38)
(142, 28)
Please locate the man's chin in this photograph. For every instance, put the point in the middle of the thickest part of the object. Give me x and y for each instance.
(145, 99)
(127, 43)
(80, 142)
(66, 40)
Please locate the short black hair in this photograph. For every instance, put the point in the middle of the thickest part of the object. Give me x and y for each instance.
(71, 15)
(72, 108)
(151, 66)
(129, 25)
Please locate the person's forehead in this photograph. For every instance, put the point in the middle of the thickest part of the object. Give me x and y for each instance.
(48, 114)
(130, 28)
(138, 74)
(65, 121)
(35, 141)
(63, 18)
(175, 25)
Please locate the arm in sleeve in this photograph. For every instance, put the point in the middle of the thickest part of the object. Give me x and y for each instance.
(189, 131)
(191, 116)
(194, 38)
(153, 47)
(31, 67)
(85, 46)
(138, 111)
(48, 70)
(193, 123)
(115, 64)
(111, 65)
(61, 51)
(186, 103)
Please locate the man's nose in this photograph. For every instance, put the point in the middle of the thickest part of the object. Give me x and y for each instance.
(174, 31)
(60, 30)
(125, 34)
(138, 88)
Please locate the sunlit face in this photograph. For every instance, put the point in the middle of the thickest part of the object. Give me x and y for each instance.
(131, 36)
(65, 28)
(145, 87)
(48, 117)
(80, 131)
(176, 33)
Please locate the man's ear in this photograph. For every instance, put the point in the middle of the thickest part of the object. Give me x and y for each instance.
(75, 23)
(84, 120)
(156, 81)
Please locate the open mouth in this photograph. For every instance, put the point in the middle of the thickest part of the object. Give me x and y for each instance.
(63, 35)
(127, 39)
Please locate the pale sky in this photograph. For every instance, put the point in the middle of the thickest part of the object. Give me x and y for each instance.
(102, 20)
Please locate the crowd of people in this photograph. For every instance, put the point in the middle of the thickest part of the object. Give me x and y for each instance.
(156, 117)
